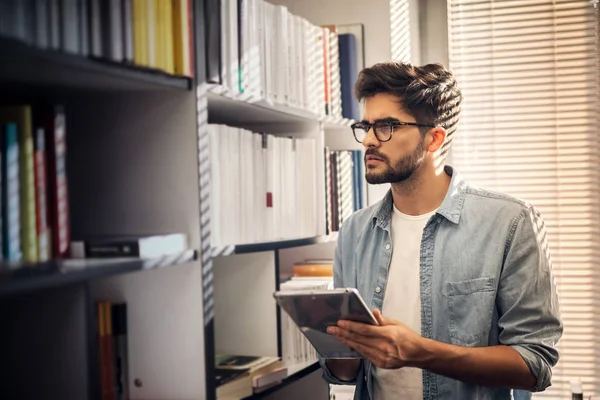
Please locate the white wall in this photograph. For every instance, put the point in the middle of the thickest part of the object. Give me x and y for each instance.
(433, 16)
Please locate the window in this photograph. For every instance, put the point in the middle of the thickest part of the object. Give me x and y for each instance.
(530, 127)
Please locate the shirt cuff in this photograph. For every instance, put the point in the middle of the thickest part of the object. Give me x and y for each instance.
(538, 367)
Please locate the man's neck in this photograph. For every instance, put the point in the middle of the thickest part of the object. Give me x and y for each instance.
(421, 193)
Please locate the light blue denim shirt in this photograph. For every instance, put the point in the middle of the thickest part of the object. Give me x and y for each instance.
(485, 280)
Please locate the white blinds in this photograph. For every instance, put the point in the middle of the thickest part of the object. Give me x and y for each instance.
(400, 30)
(530, 127)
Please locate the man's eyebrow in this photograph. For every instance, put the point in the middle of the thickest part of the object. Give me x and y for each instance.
(384, 119)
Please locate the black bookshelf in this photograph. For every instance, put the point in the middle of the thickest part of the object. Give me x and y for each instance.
(270, 246)
(24, 64)
(19, 277)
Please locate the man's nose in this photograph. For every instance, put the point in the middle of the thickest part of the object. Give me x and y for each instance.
(371, 140)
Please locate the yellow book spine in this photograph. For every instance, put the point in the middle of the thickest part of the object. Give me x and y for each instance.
(168, 36)
(151, 33)
(181, 37)
(161, 36)
(140, 32)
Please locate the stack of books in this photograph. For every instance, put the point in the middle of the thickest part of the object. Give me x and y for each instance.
(261, 50)
(307, 275)
(263, 187)
(34, 223)
(239, 376)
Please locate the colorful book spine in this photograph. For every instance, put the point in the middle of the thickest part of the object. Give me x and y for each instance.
(58, 199)
(11, 196)
(41, 204)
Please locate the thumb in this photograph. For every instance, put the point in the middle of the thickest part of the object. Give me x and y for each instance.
(381, 320)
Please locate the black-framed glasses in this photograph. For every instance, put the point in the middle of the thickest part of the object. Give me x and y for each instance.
(382, 129)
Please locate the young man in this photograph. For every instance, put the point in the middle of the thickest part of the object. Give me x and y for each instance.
(459, 277)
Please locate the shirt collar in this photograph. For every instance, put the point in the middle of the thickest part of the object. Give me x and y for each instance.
(450, 208)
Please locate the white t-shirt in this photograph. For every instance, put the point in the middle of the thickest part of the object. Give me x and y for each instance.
(402, 302)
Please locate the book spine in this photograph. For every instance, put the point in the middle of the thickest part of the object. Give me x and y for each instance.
(41, 203)
(69, 26)
(112, 250)
(119, 317)
(55, 29)
(140, 32)
(42, 23)
(127, 20)
(11, 197)
(110, 356)
(27, 183)
(58, 200)
(95, 28)
(84, 27)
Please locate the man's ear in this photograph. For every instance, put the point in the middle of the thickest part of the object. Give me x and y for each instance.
(437, 138)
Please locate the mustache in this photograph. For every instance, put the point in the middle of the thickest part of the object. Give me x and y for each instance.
(375, 153)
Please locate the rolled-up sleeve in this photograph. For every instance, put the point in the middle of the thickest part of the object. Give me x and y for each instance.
(529, 315)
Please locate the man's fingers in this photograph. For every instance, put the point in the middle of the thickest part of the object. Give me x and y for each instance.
(358, 327)
(341, 333)
(370, 353)
(378, 317)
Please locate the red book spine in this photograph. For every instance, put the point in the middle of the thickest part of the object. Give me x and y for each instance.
(41, 202)
(58, 197)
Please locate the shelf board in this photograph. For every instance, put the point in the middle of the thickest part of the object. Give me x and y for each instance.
(24, 64)
(18, 277)
(295, 373)
(221, 251)
(228, 108)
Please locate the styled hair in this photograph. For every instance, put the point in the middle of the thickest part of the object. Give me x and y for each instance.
(429, 93)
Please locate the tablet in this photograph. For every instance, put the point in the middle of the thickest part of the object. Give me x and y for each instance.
(315, 310)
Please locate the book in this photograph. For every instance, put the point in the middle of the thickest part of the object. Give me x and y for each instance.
(52, 119)
(41, 201)
(11, 196)
(150, 246)
(348, 75)
(120, 346)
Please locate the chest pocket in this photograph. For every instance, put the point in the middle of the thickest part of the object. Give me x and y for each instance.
(471, 309)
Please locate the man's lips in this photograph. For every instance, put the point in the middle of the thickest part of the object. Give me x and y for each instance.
(373, 158)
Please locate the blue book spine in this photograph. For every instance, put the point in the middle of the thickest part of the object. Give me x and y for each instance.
(355, 181)
(348, 75)
(360, 177)
(11, 194)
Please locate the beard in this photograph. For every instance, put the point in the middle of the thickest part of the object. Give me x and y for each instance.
(400, 172)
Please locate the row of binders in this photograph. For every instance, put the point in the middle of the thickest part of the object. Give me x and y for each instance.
(263, 187)
(344, 186)
(262, 50)
(150, 33)
(34, 200)
(308, 275)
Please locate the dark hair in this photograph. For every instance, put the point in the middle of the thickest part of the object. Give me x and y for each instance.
(429, 93)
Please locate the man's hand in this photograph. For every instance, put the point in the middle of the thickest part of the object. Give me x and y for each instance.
(393, 345)
(389, 345)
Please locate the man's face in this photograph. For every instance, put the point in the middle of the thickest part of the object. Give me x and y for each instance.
(399, 158)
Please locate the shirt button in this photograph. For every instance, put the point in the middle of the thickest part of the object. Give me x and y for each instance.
(377, 289)
(387, 246)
